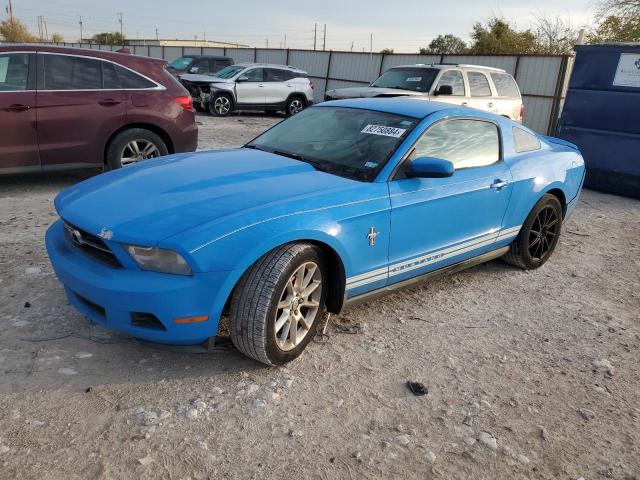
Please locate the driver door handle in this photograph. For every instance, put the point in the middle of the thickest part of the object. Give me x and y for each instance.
(499, 184)
(17, 107)
(109, 102)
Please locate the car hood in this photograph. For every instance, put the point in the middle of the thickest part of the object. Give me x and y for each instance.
(157, 199)
(369, 92)
(199, 78)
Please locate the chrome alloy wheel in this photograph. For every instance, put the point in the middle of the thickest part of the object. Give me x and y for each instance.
(137, 150)
(222, 105)
(296, 106)
(298, 306)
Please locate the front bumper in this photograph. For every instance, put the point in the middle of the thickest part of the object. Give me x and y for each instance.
(114, 297)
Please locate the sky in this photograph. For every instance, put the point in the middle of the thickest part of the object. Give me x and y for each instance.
(403, 25)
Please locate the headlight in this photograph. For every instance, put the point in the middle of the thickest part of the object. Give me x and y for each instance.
(158, 260)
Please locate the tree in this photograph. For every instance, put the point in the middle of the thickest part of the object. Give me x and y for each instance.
(447, 44)
(499, 37)
(16, 31)
(620, 22)
(109, 38)
(57, 38)
(554, 36)
(386, 51)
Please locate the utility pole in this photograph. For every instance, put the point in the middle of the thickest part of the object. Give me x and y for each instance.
(371, 44)
(315, 34)
(267, 42)
(46, 32)
(352, 46)
(80, 22)
(285, 40)
(324, 41)
(120, 14)
(157, 36)
(10, 11)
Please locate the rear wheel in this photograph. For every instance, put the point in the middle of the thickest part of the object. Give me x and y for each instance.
(132, 146)
(278, 303)
(539, 235)
(221, 105)
(295, 105)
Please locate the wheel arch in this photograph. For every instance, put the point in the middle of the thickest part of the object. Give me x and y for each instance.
(562, 198)
(146, 126)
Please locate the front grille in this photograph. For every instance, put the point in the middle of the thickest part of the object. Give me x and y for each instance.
(91, 245)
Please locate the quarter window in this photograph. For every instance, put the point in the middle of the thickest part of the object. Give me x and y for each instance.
(63, 72)
(278, 75)
(505, 85)
(524, 141)
(132, 80)
(14, 72)
(465, 143)
(478, 84)
(453, 78)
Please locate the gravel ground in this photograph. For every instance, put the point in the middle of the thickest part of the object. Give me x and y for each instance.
(529, 374)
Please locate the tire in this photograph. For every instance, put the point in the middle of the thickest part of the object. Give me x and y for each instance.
(295, 105)
(221, 105)
(538, 236)
(257, 304)
(121, 151)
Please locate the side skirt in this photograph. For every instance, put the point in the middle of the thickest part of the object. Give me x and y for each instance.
(456, 267)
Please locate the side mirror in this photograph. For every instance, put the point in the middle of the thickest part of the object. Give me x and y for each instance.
(430, 167)
(242, 78)
(444, 90)
(193, 70)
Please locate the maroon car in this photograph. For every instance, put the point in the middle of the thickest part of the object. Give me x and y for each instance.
(69, 108)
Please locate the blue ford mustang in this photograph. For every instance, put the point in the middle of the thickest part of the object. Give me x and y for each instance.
(341, 202)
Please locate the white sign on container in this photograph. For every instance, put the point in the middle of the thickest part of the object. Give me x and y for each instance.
(628, 71)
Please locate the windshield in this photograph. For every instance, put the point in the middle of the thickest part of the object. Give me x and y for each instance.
(180, 63)
(407, 78)
(229, 72)
(349, 142)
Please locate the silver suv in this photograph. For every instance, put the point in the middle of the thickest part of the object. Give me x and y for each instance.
(484, 88)
(251, 86)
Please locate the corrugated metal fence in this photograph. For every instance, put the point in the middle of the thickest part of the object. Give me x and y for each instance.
(542, 79)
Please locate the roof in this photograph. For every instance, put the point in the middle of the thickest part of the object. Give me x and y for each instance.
(123, 58)
(410, 107)
(446, 65)
(275, 65)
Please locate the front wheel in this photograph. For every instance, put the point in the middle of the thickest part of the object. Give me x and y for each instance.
(538, 236)
(278, 302)
(221, 105)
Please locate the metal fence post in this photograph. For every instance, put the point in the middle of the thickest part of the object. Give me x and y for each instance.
(557, 97)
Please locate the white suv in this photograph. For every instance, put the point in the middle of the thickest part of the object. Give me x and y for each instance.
(251, 86)
(484, 88)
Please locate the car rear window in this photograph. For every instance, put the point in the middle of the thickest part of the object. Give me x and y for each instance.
(524, 142)
(132, 80)
(505, 85)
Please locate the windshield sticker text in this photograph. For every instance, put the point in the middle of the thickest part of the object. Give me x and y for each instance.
(414, 79)
(384, 131)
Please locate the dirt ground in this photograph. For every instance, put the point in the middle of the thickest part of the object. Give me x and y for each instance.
(529, 374)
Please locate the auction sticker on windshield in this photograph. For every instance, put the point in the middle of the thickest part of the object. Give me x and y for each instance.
(385, 131)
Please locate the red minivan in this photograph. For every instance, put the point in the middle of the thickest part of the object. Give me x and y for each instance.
(71, 108)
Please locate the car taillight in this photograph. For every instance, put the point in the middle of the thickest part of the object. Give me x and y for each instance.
(522, 111)
(312, 85)
(185, 102)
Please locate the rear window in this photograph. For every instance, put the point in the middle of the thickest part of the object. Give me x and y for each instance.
(524, 141)
(505, 85)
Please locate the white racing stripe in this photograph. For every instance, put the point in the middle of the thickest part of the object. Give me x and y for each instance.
(430, 258)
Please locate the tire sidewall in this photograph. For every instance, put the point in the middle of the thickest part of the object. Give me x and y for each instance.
(290, 101)
(212, 110)
(523, 237)
(274, 353)
(113, 160)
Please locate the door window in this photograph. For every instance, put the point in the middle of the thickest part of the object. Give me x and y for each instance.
(453, 78)
(478, 84)
(63, 72)
(200, 66)
(254, 75)
(110, 80)
(217, 65)
(277, 75)
(14, 72)
(465, 143)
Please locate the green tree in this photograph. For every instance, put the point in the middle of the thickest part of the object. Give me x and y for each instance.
(16, 31)
(499, 37)
(57, 38)
(109, 38)
(386, 50)
(620, 22)
(446, 44)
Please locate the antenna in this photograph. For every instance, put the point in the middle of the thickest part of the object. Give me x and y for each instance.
(81, 22)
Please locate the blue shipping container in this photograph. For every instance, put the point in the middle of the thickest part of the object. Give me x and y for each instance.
(601, 115)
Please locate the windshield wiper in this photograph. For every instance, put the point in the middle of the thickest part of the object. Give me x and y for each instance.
(255, 147)
(314, 163)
